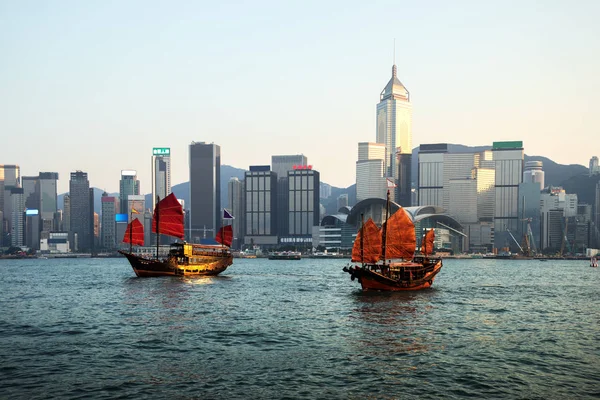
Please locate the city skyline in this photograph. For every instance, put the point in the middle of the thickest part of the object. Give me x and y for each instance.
(107, 76)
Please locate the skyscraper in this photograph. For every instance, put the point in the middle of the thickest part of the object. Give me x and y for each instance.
(10, 176)
(79, 190)
(508, 161)
(261, 185)
(370, 171)
(534, 173)
(31, 192)
(17, 200)
(108, 239)
(48, 200)
(430, 177)
(303, 206)
(394, 128)
(161, 173)
(282, 164)
(129, 185)
(205, 190)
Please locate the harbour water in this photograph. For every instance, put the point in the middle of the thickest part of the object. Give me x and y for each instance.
(88, 328)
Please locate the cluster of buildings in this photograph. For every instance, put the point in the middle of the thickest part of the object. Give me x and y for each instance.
(485, 201)
(273, 205)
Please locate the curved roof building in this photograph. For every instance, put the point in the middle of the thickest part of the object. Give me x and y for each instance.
(348, 219)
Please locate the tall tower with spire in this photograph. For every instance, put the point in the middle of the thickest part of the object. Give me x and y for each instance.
(394, 130)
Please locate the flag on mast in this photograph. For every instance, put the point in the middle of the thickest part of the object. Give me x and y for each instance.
(390, 183)
(226, 214)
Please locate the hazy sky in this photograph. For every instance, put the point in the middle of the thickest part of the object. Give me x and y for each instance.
(94, 85)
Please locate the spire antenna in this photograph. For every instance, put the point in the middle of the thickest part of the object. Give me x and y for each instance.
(394, 51)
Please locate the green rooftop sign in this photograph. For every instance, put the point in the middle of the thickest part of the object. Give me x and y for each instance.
(161, 151)
(508, 145)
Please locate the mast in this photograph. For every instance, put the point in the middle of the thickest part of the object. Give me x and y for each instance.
(384, 230)
(362, 239)
(157, 225)
(131, 232)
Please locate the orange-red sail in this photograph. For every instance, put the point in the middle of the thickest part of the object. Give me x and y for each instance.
(427, 245)
(134, 233)
(225, 235)
(169, 214)
(400, 239)
(370, 236)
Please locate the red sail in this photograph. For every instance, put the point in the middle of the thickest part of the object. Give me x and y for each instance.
(371, 244)
(427, 245)
(400, 241)
(135, 231)
(169, 214)
(225, 235)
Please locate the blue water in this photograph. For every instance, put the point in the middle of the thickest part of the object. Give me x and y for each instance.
(89, 328)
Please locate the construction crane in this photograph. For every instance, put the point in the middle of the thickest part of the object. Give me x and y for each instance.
(564, 239)
(513, 238)
(528, 240)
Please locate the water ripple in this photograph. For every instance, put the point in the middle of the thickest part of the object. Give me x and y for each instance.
(297, 330)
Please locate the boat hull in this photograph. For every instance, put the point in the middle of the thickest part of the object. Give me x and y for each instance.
(205, 266)
(396, 277)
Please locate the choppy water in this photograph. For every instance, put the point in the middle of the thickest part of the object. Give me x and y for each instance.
(89, 328)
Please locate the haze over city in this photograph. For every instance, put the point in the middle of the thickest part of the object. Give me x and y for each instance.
(94, 86)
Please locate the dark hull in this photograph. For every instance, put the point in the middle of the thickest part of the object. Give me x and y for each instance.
(275, 257)
(415, 275)
(207, 266)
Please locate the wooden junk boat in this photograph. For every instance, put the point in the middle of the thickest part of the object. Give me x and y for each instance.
(386, 255)
(184, 259)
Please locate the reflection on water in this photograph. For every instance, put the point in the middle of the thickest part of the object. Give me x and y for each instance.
(392, 323)
(487, 329)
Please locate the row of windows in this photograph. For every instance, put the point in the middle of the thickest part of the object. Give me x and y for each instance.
(301, 200)
(254, 183)
(300, 223)
(258, 223)
(258, 201)
(302, 182)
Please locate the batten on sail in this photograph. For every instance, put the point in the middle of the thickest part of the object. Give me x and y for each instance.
(427, 245)
(371, 244)
(134, 233)
(400, 236)
(169, 213)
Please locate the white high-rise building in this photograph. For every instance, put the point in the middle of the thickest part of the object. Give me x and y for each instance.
(394, 123)
(533, 173)
(161, 173)
(370, 180)
(430, 180)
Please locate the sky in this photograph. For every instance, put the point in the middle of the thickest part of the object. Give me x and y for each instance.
(95, 85)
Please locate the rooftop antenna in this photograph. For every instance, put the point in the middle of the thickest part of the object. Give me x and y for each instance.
(394, 51)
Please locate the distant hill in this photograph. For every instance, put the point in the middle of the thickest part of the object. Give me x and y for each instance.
(584, 186)
(556, 174)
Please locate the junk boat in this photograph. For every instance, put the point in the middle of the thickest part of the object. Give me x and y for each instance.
(184, 259)
(387, 255)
